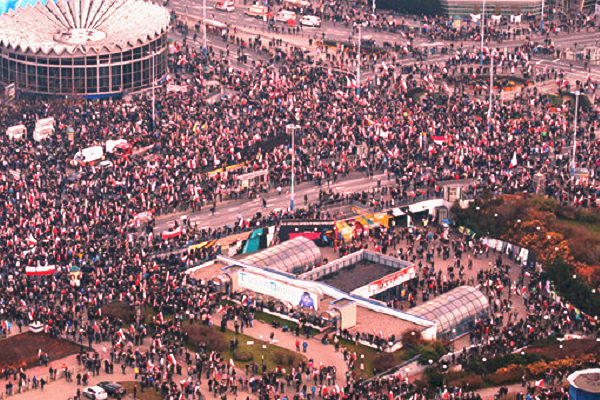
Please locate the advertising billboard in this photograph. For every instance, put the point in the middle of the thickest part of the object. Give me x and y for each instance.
(320, 232)
(296, 296)
(387, 282)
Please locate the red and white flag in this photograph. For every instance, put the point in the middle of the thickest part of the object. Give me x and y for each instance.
(42, 270)
(31, 240)
(513, 161)
(172, 359)
(539, 383)
(231, 363)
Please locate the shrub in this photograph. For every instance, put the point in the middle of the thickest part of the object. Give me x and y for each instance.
(491, 365)
(434, 377)
(243, 356)
(291, 359)
(211, 337)
(411, 337)
(279, 357)
(384, 361)
(547, 342)
(473, 381)
(432, 350)
(120, 310)
(503, 376)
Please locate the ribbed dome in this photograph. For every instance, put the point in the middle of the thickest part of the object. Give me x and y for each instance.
(82, 25)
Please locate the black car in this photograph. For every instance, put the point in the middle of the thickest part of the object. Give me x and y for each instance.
(112, 388)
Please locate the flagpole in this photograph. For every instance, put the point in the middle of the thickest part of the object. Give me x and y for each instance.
(491, 89)
(482, 24)
(358, 64)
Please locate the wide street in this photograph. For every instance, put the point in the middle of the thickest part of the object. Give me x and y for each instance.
(227, 212)
(248, 27)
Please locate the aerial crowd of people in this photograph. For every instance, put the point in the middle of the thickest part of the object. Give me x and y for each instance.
(417, 124)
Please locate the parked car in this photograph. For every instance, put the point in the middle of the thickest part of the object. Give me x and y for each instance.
(113, 388)
(225, 5)
(95, 393)
(285, 16)
(310, 20)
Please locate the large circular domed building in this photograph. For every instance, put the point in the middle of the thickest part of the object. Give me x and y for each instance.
(91, 48)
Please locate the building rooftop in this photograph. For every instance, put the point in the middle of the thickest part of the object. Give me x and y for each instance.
(357, 275)
(82, 25)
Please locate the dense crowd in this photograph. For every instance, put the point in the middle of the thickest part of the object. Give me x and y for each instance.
(419, 125)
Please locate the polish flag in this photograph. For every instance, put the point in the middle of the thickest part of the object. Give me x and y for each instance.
(149, 365)
(513, 162)
(539, 383)
(351, 83)
(121, 334)
(172, 359)
(171, 234)
(220, 309)
(31, 240)
(231, 363)
(43, 270)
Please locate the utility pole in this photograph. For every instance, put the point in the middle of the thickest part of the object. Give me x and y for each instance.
(205, 49)
(358, 59)
(542, 17)
(153, 90)
(292, 130)
(577, 93)
(491, 88)
(482, 20)
(373, 7)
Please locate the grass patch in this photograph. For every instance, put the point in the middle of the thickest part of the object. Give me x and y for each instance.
(149, 392)
(270, 318)
(371, 357)
(272, 354)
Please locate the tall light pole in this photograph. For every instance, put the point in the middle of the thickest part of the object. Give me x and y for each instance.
(373, 7)
(205, 49)
(542, 17)
(153, 54)
(358, 63)
(482, 31)
(577, 93)
(292, 130)
(489, 116)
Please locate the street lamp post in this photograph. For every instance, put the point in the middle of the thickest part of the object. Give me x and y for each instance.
(205, 49)
(577, 93)
(292, 131)
(491, 89)
(542, 17)
(482, 31)
(154, 53)
(373, 7)
(358, 63)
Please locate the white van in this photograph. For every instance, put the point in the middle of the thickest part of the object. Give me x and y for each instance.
(90, 155)
(310, 20)
(285, 16)
(257, 11)
(43, 129)
(225, 5)
(16, 132)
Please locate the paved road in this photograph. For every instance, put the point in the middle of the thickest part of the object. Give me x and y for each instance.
(227, 212)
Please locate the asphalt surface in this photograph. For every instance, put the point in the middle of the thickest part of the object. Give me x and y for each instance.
(227, 212)
(245, 26)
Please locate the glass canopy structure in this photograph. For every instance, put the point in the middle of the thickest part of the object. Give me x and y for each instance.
(455, 310)
(293, 257)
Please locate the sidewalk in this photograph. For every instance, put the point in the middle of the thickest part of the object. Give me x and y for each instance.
(316, 351)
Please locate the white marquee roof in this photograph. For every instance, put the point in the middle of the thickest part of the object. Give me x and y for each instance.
(84, 25)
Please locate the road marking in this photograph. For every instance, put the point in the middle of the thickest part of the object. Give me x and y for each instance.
(233, 208)
(558, 59)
